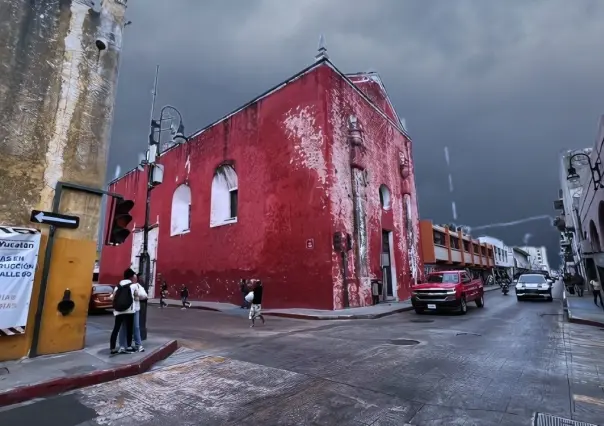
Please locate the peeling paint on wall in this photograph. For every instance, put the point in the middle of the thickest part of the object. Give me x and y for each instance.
(302, 128)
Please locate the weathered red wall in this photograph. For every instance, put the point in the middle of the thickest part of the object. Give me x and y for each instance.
(383, 144)
(291, 155)
(281, 205)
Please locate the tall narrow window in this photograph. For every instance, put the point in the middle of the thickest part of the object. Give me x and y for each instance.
(225, 192)
(180, 221)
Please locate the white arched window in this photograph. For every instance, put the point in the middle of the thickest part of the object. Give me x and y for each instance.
(384, 197)
(181, 211)
(224, 196)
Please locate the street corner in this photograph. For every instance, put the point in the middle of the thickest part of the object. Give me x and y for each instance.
(207, 390)
(48, 376)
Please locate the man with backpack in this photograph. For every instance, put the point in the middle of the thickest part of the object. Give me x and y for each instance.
(142, 296)
(123, 310)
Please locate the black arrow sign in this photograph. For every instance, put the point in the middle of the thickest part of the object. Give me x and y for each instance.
(54, 219)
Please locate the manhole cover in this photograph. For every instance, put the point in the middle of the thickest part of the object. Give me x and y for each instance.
(421, 320)
(403, 342)
(4, 371)
(549, 420)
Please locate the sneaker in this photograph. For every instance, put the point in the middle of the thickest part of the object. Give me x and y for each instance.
(113, 351)
(183, 309)
(141, 349)
(130, 350)
(121, 351)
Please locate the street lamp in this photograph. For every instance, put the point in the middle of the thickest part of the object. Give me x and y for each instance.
(153, 153)
(596, 174)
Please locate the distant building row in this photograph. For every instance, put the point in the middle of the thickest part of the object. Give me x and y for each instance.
(444, 248)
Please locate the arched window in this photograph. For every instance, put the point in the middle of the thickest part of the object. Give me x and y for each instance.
(181, 211)
(224, 196)
(385, 197)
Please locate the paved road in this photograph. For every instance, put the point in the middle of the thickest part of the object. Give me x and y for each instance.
(494, 366)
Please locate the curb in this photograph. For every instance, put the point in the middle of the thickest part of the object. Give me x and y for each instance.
(577, 320)
(337, 317)
(66, 384)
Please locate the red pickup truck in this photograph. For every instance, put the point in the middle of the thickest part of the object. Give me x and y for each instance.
(447, 290)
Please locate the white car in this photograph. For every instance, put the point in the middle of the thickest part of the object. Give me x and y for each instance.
(534, 286)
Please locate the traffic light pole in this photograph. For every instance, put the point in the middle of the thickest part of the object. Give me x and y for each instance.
(145, 259)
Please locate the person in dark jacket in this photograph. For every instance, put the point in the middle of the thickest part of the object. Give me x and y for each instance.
(244, 287)
(256, 308)
(163, 291)
(184, 296)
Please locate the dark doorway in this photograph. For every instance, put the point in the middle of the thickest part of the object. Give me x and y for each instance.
(386, 265)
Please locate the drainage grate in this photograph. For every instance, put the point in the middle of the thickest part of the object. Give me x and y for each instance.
(403, 342)
(421, 320)
(468, 334)
(549, 420)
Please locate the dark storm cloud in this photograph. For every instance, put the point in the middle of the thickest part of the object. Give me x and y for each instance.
(505, 85)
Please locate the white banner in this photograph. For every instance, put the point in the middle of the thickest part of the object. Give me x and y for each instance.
(18, 261)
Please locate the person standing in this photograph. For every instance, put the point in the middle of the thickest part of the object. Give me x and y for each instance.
(141, 295)
(244, 288)
(596, 287)
(256, 308)
(375, 292)
(579, 283)
(163, 291)
(123, 311)
(184, 297)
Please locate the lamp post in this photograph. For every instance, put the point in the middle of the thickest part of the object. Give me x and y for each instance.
(154, 178)
(596, 174)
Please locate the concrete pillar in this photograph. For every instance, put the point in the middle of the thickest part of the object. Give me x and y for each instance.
(58, 84)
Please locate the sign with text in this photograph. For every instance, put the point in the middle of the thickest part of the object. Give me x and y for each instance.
(18, 261)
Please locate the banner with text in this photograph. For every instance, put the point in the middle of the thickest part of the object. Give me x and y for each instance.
(18, 261)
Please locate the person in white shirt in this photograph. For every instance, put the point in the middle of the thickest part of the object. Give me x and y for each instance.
(141, 294)
(597, 290)
(123, 311)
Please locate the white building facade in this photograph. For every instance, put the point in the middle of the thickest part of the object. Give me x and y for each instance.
(504, 258)
(537, 258)
(522, 260)
(572, 237)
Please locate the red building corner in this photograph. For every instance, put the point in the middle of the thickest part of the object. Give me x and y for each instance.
(261, 193)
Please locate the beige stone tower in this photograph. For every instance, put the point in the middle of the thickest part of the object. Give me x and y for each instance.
(58, 78)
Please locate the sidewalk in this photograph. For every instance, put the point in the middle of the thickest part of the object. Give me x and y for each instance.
(366, 312)
(582, 310)
(31, 378)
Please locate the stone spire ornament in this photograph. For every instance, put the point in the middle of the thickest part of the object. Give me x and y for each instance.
(322, 51)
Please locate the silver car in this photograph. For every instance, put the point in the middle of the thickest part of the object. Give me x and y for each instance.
(534, 286)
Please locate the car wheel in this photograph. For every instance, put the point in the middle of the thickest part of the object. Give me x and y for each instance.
(419, 311)
(463, 306)
(480, 301)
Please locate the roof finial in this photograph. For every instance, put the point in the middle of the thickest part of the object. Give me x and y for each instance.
(322, 51)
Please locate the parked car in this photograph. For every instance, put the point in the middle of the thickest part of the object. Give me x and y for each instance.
(534, 286)
(447, 290)
(100, 297)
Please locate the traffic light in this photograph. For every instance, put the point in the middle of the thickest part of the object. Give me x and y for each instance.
(118, 231)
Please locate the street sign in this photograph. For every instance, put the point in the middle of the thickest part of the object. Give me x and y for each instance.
(54, 219)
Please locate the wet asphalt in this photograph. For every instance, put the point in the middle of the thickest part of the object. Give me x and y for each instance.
(499, 365)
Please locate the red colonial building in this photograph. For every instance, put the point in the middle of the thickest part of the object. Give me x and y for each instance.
(265, 191)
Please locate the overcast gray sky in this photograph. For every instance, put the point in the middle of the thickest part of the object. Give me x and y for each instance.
(506, 85)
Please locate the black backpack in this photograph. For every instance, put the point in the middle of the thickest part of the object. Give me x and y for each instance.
(123, 300)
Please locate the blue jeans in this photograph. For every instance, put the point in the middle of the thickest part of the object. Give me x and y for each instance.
(136, 335)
